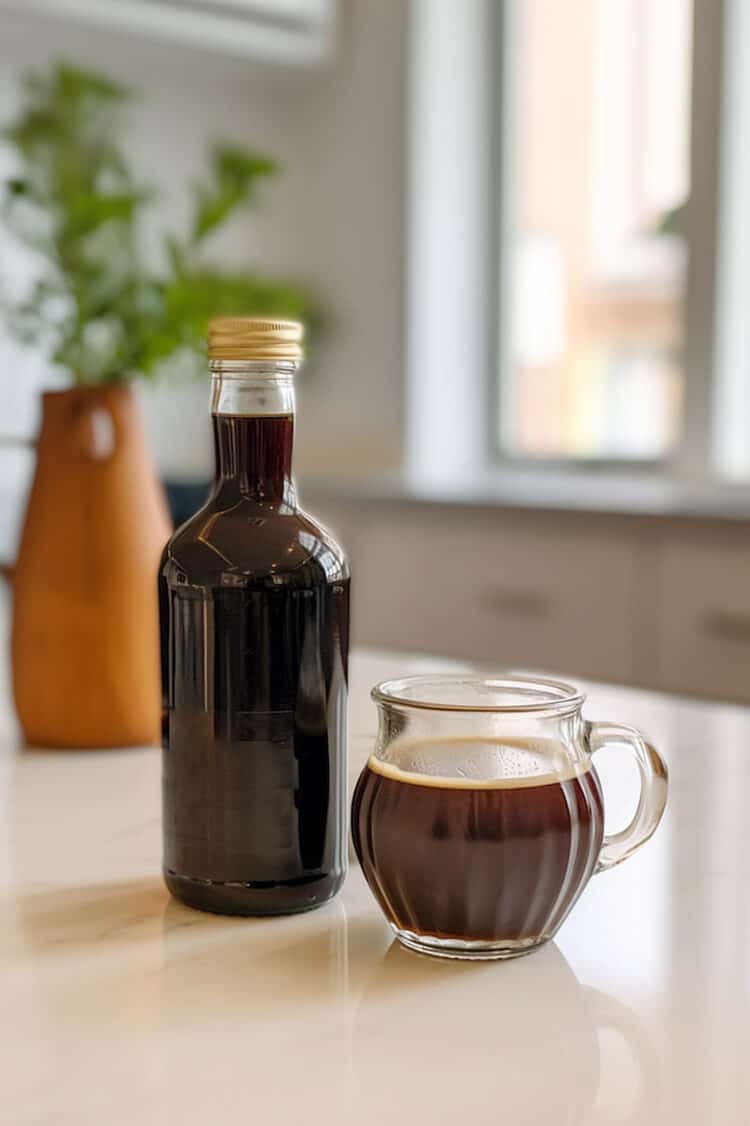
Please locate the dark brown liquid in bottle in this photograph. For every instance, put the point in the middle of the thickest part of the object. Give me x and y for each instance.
(254, 608)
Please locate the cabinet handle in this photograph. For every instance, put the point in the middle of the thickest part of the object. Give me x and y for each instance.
(726, 625)
(519, 603)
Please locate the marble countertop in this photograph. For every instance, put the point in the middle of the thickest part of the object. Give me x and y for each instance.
(122, 1007)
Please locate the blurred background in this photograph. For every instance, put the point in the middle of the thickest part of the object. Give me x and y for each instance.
(526, 412)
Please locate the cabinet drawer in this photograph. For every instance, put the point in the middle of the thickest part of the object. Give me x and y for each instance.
(704, 617)
(535, 596)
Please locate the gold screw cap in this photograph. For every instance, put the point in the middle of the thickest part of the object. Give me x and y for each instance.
(255, 338)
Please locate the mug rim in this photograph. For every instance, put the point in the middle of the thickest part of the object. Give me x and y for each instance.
(553, 696)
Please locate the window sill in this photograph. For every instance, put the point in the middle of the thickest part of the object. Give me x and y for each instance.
(571, 491)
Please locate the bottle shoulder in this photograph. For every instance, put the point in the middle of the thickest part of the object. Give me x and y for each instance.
(254, 542)
(325, 537)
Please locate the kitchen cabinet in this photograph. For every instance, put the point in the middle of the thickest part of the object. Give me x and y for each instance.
(662, 602)
(702, 626)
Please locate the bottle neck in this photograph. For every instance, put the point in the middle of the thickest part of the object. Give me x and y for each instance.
(252, 406)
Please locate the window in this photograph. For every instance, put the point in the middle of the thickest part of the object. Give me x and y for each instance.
(578, 240)
(595, 167)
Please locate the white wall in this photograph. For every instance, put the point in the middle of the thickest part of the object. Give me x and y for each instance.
(334, 220)
(349, 166)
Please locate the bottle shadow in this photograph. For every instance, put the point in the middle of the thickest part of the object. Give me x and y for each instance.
(128, 957)
(71, 919)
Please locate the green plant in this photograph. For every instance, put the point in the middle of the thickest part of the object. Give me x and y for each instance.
(672, 222)
(99, 309)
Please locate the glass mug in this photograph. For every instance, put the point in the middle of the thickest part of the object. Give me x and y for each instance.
(479, 817)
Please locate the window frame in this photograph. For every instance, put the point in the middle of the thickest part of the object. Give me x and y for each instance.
(692, 458)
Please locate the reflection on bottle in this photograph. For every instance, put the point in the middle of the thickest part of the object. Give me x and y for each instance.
(311, 749)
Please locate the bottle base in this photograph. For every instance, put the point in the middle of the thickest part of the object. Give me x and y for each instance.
(253, 899)
(468, 949)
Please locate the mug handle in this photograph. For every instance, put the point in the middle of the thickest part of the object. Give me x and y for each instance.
(651, 800)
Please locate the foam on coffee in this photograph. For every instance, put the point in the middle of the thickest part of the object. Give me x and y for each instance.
(479, 763)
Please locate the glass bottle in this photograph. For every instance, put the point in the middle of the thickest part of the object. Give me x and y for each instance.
(254, 610)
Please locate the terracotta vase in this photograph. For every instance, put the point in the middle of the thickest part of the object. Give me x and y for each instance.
(85, 622)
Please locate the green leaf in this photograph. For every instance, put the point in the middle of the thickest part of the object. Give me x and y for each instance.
(241, 166)
(17, 187)
(234, 176)
(175, 254)
(74, 83)
(673, 222)
(88, 210)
